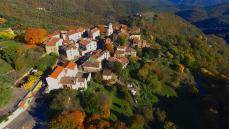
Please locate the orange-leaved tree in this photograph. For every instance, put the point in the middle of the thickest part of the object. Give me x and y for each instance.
(109, 47)
(34, 36)
(68, 120)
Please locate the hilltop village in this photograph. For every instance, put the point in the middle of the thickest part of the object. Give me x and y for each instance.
(84, 51)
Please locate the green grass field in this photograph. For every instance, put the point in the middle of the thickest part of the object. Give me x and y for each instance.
(1, 29)
(9, 43)
(5, 67)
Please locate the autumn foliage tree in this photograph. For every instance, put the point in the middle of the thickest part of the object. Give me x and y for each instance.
(34, 36)
(72, 120)
(109, 47)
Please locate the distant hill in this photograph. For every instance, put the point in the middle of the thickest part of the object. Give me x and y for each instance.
(66, 12)
(199, 2)
(212, 20)
(182, 2)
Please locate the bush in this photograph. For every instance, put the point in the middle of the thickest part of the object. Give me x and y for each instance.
(5, 92)
(46, 62)
(7, 35)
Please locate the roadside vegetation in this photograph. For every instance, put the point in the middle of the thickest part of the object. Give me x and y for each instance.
(16, 58)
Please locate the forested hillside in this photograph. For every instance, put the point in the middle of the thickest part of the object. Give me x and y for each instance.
(212, 20)
(50, 13)
(199, 2)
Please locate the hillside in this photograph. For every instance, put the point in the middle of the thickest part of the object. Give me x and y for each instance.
(51, 13)
(212, 20)
(199, 2)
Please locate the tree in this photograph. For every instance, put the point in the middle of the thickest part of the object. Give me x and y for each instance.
(117, 67)
(19, 64)
(106, 105)
(47, 62)
(34, 36)
(10, 54)
(160, 115)
(120, 125)
(147, 113)
(121, 39)
(91, 103)
(64, 100)
(124, 74)
(169, 125)
(98, 78)
(7, 35)
(5, 92)
(137, 122)
(68, 121)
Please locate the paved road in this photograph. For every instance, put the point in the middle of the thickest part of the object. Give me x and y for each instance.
(34, 117)
(25, 120)
(18, 94)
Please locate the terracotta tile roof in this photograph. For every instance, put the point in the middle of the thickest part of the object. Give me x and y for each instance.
(57, 71)
(84, 42)
(70, 65)
(129, 49)
(94, 30)
(98, 54)
(68, 80)
(107, 72)
(121, 47)
(65, 42)
(119, 52)
(123, 60)
(69, 46)
(54, 33)
(135, 29)
(91, 64)
(51, 41)
(70, 32)
(81, 29)
(113, 59)
(80, 79)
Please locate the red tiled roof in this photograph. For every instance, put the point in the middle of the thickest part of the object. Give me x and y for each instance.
(52, 42)
(123, 60)
(129, 49)
(70, 65)
(57, 71)
(112, 59)
(121, 47)
(91, 64)
(54, 33)
(84, 42)
(70, 32)
(94, 30)
(80, 79)
(66, 42)
(81, 29)
(69, 46)
(107, 72)
(119, 52)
